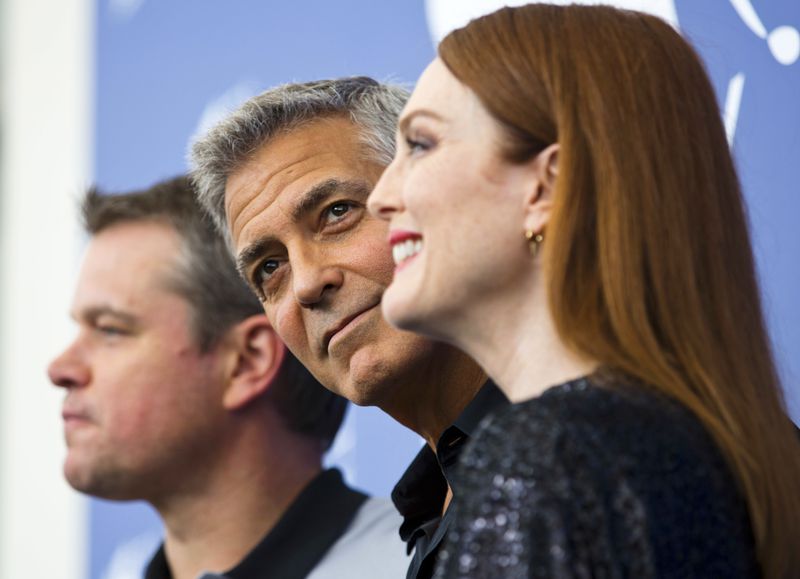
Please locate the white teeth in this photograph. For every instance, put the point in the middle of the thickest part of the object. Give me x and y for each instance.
(405, 250)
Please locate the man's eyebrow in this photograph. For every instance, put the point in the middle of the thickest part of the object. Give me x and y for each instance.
(91, 314)
(402, 126)
(309, 201)
(251, 254)
(315, 196)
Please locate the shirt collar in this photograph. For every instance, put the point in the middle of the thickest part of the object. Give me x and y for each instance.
(310, 526)
(419, 494)
(452, 441)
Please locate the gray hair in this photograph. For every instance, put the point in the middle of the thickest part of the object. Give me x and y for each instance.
(372, 106)
(206, 277)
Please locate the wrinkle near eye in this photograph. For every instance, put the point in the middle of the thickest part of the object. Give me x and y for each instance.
(268, 285)
(252, 255)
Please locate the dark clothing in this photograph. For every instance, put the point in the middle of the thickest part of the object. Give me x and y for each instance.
(597, 478)
(420, 494)
(311, 525)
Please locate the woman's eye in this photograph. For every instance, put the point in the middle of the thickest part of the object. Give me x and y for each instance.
(417, 145)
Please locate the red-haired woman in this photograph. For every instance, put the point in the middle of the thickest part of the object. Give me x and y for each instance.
(565, 209)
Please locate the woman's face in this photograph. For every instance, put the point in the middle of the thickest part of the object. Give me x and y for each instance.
(456, 209)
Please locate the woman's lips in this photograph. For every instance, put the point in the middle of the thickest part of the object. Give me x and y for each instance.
(405, 247)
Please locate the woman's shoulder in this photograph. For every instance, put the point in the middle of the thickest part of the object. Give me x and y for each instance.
(619, 469)
(618, 420)
(611, 432)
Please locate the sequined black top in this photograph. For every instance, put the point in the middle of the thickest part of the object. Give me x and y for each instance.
(592, 481)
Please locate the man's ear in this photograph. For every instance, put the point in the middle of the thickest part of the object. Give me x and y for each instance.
(539, 200)
(258, 357)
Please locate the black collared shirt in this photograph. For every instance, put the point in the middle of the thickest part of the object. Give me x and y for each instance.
(421, 491)
(309, 527)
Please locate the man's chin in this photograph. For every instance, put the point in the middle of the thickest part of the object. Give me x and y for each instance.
(371, 380)
(101, 485)
(381, 369)
(362, 387)
(360, 395)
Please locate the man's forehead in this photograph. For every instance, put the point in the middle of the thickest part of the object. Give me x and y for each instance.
(266, 195)
(268, 187)
(335, 135)
(265, 179)
(126, 264)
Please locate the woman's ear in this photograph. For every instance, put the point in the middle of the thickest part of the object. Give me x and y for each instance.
(539, 201)
(258, 356)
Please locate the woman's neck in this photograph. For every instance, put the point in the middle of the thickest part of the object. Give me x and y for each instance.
(514, 339)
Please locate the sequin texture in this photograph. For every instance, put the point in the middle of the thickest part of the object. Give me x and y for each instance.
(589, 480)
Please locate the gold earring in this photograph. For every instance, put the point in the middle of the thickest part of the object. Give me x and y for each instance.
(534, 240)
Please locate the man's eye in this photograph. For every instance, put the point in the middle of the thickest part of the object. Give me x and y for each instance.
(110, 331)
(264, 277)
(266, 269)
(337, 211)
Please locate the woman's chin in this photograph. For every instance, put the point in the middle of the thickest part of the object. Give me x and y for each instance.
(401, 309)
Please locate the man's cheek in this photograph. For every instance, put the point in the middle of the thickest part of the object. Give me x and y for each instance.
(289, 325)
(377, 260)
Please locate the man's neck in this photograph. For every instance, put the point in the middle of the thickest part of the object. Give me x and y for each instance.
(435, 393)
(214, 529)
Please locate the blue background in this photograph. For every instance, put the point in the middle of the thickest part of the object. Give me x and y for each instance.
(160, 64)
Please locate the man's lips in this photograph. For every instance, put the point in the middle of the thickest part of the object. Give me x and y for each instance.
(74, 417)
(344, 323)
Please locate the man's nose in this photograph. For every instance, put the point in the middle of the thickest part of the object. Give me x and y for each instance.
(314, 277)
(68, 369)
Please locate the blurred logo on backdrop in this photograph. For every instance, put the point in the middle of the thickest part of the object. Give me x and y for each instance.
(783, 41)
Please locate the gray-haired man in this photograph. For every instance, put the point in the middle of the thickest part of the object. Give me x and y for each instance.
(287, 177)
(179, 393)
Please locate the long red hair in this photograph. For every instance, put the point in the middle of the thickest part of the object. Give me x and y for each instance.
(647, 255)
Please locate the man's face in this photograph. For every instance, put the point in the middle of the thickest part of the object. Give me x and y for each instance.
(304, 240)
(143, 404)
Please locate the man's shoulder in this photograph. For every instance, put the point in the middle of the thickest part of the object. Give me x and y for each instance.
(370, 547)
(376, 515)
